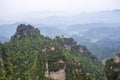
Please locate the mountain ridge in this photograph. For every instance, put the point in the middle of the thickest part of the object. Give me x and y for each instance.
(28, 57)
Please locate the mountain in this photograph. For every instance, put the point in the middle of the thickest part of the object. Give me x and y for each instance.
(24, 31)
(98, 31)
(68, 25)
(51, 31)
(112, 68)
(8, 30)
(108, 17)
(31, 56)
(99, 38)
(102, 41)
(83, 28)
(3, 39)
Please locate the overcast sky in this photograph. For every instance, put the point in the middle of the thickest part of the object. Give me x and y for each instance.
(18, 9)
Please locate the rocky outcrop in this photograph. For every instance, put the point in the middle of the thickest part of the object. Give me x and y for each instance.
(1, 61)
(112, 68)
(70, 44)
(56, 75)
(59, 75)
(77, 69)
(68, 47)
(52, 48)
(83, 49)
(24, 31)
(1, 56)
(117, 58)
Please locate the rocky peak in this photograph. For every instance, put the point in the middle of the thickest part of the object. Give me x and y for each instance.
(70, 44)
(112, 66)
(24, 31)
(117, 58)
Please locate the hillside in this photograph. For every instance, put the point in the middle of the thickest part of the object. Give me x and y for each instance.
(112, 68)
(99, 38)
(103, 42)
(31, 56)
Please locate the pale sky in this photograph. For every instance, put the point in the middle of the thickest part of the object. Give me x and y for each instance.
(17, 9)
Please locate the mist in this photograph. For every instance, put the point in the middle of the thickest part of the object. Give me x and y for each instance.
(20, 10)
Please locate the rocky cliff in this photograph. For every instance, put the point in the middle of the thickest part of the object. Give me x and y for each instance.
(70, 45)
(1, 56)
(57, 75)
(24, 31)
(112, 68)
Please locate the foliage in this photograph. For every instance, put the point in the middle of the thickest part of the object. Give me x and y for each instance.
(26, 57)
(111, 69)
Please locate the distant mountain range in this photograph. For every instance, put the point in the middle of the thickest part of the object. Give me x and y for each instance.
(3, 39)
(82, 18)
(99, 31)
(102, 41)
(8, 30)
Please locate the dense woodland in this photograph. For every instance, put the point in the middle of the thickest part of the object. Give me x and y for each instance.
(25, 56)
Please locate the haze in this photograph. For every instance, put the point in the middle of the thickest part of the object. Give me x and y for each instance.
(16, 10)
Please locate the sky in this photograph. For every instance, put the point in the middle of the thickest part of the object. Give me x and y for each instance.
(13, 10)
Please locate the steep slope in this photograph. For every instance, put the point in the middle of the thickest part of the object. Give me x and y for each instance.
(112, 68)
(31, 56)
(2, 67)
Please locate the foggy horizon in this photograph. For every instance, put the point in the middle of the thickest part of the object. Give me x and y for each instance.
(15, 11)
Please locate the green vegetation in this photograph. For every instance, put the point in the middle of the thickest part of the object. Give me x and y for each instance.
(26, 55)
(112, 68)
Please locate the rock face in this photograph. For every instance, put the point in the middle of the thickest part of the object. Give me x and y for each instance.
(70, 44)
(68, 47)
(1, 61)
(57, 75)
(24, 31)
(117, 58)
(1, 58)
(112, 68)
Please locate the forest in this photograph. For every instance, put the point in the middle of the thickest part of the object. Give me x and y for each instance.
(29, 55)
